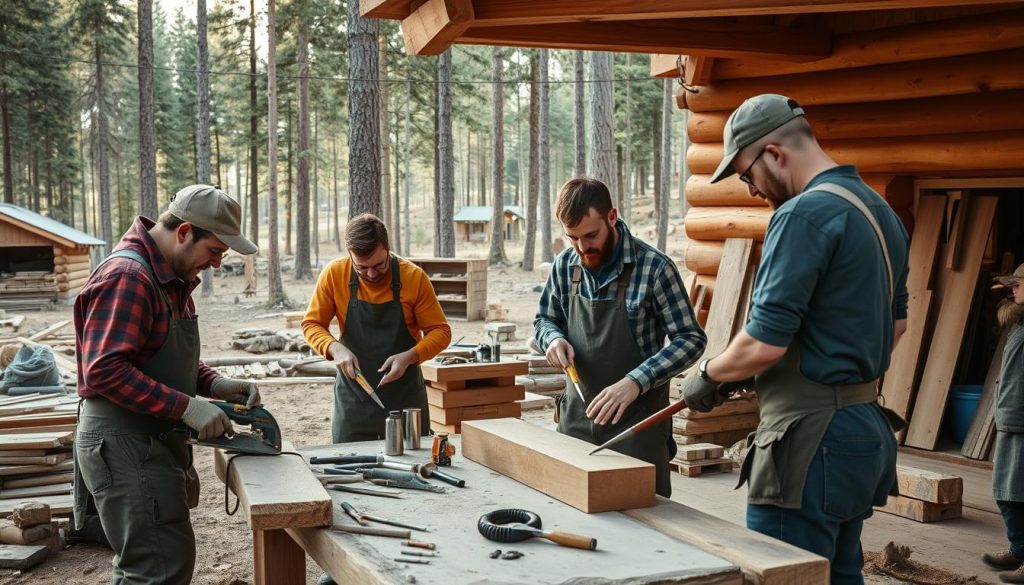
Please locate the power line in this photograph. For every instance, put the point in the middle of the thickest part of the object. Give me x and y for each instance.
(223, 73)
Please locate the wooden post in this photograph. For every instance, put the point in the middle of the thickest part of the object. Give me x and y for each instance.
(278, 560)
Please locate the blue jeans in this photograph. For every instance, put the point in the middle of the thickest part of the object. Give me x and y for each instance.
(1013, 517)
(853, 470)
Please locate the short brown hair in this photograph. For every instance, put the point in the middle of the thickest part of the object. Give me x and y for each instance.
(364, 233)
(172, 222)
(578, 196)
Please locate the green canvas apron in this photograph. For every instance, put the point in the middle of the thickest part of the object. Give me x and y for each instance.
(138, 474)
(374, 332)
(606, 350)
(795, 411)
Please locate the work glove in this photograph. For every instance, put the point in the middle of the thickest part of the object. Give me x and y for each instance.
(701, 395)
(207, 419)
(235, 391)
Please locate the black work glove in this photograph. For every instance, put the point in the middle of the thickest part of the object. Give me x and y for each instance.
(701, 395)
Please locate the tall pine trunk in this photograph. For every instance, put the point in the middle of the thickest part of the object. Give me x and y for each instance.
(666, 164)
(254, 204)
(334, 193)
(203, 108)
(147, 113)
(302, 207)
(276, 293)
(602, 115)
(102, 161)
(627, 165)
(315, 191)
(5, 121)
(580, 167)
(546, 254)
(385, 140)
(446, 158)
(289, 182)
(533, 176)
(497, 251)
(407, 247)
(364, 115)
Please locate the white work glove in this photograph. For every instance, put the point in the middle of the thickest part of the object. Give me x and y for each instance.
(235, 391)
(206, 419)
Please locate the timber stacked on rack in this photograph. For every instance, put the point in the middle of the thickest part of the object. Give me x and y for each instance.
(925, 496)
(542, 377)
(700, 458)
(28, 290)
(474, 391)
(36, 436)
(726, 424)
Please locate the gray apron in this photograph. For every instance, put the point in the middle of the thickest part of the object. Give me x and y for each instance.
(795, 411)
(374, 332)
(606, 350)
(136, 473)
(1007, 471)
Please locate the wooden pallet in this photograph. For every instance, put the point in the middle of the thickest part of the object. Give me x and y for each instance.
(703, 466)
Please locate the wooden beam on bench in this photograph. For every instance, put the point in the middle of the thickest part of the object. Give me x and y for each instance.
(764, 560)
(435, 25)
(689, 37)
(559, 466)
(920, 484)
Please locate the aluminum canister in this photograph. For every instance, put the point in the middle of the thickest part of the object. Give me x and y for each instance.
(393, 435)
(412, 428)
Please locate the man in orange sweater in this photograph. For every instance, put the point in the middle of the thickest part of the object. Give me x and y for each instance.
(390, 322)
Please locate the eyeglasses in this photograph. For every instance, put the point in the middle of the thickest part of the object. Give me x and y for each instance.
(378, 267)
(745, 175)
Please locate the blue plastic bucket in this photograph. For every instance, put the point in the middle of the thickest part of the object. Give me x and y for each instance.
(963, 403)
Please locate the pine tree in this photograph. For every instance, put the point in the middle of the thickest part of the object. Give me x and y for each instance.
(364, 114)
(497, 252)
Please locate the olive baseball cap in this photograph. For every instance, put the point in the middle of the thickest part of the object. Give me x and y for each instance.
(1008, 279)
(753, 120)
(211, 209)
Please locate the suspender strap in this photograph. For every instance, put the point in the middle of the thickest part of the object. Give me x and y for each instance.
(627, 271)
(577, 274)
(863, 209)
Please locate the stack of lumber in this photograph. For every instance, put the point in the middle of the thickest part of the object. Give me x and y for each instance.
(36, 436)
(29, 537)
(925, 496)
(542, 377)
(700, 458)
(726, 424)
(34, 290)
(473, 391)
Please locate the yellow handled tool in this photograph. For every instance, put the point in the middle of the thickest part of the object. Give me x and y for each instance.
(574, 377)
(369, 389)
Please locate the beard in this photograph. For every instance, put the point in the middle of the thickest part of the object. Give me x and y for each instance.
(1009, 313)
(594, 258)
(775, 192)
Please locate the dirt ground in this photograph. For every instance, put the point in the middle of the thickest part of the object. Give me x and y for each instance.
(224, 543)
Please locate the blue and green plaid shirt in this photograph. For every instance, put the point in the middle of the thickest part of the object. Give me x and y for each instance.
(656, 303)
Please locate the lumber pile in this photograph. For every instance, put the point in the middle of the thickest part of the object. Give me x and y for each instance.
(541, 377)
(472, 391)
(700, 458)
(28, 537)
(29, 290)
(730, 422)
(925, 496)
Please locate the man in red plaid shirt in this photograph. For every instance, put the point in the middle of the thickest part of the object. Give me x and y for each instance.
(139, 375)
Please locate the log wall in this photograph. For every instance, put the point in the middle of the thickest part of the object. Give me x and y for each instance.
(72, 267)
(931, 99)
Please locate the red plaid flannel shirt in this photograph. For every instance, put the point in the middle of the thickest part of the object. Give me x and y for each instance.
(121, 321)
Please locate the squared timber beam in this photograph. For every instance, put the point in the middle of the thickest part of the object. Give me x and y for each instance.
(679, 36)
(389, 9)
(435, 25)
(665, 65)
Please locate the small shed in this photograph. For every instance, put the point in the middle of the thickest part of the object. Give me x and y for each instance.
(42, 261)
(473, 223)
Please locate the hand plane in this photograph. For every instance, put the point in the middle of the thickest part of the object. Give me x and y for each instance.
(264, 438)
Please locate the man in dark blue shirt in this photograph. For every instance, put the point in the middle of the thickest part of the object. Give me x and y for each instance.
(829, 304)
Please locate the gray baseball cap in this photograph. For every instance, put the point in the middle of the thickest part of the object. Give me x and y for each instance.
(753, 120)
(213, 210)
(1008, 279)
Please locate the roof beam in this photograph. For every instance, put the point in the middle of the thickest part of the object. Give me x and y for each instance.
(682, 36)
(523, 12)
(435, 24)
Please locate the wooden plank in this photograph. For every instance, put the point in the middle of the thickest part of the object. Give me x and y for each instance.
(435, 372)
(17, 556)
(700, 451)
(437, 427)
(534, 401)
(728, 288)
(42, 460)
(475, 396)
(559, 466)
(974, 444)
(435, 24)
(728, 40)
(956, 235)
(278, 560)
(698, 70)
(733, 406)
(26, 493)
(8, 470)
(35, 441)
(59, 505)
(920, 484)
(901, 379)
(451, 416)
(37, 480)
(958, 290)
(50, 330)
(735, 422)
(725, 438)
(919, 510)
(283, 492)
(62, 423)
(764, 560)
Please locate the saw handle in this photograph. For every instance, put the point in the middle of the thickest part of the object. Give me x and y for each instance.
(570, 539)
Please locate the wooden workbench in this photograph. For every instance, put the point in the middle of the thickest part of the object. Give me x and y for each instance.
(631, 550)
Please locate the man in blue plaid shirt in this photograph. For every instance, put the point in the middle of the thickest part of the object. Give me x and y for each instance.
(615, 308)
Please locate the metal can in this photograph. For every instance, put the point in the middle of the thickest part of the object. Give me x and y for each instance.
(442, 451)
(412, 428)
(393, 433)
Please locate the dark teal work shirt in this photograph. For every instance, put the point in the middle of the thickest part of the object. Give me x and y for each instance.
(822, 282)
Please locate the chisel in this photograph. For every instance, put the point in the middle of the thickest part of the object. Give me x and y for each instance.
(369, 389)
(366, 492)
(574, 377)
